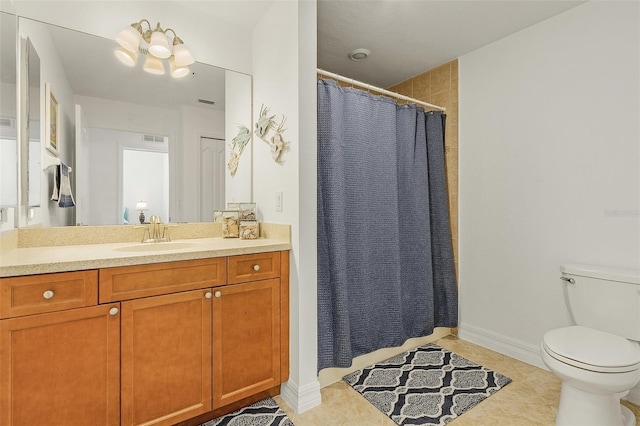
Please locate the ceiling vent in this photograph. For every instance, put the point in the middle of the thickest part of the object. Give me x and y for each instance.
(9, 123)
(153, 138)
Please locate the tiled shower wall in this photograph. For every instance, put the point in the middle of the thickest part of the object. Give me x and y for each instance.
(439, 86)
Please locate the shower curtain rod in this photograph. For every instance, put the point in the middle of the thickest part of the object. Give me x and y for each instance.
(377, 89)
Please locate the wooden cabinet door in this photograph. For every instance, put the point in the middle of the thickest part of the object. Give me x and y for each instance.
(61, 368)
(246, 340)
(166, 358)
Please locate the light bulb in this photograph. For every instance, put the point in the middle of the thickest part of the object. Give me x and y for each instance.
(175, 70)
(182, 55)
(126, 57)
(129, 38)
(154, 65)
(159, 45)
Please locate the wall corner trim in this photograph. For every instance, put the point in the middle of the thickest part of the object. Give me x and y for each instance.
(301, 398)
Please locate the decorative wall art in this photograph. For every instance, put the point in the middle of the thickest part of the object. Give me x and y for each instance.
(267, 124)
(237, 146)
(52, 121)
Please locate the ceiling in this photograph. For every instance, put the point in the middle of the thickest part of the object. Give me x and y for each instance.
(405, 37)
(92, 69)
(408, 37)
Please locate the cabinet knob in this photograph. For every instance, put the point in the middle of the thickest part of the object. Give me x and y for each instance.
(48, 294)
(113, 311)
(256, 267)
(208, 295)
(218, 293)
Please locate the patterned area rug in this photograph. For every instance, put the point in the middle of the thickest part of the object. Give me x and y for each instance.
(262, 413)
(426, 386)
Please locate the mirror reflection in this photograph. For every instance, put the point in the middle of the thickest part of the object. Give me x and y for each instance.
(8, 112)
(131, 137)
(31, 144)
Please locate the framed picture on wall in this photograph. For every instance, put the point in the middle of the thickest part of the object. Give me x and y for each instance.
(52, 120)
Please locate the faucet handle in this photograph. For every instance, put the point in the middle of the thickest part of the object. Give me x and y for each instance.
(145, 234)
(165, 232)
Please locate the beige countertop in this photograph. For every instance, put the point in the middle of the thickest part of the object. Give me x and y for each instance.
(46, 250)
(40, 260)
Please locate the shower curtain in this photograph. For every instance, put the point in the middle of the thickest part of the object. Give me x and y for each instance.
(385, 261)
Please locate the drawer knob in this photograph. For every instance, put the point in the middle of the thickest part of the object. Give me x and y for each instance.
(218, 293)
(113, 311)
(256, 267)
(207, 295)
(48, 294)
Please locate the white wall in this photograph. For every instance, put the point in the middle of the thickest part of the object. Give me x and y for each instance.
(237, 112)
(549, 151)
(284, 69)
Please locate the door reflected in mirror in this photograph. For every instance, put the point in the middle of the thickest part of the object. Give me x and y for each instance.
(137, 166)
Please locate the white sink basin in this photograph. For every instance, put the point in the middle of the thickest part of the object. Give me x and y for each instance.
(155, 247)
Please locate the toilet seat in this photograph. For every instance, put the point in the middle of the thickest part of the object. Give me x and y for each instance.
(592, 350)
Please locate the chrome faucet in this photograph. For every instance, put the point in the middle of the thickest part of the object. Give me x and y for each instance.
(157, 232)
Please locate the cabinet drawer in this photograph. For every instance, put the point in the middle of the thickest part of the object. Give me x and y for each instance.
(37, 294)
(251, 267)
(132, 282)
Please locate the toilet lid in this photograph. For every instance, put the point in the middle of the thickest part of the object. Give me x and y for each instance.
(593, 348)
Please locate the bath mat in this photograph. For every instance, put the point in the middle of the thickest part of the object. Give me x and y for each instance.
(425, 386)
(266, 412)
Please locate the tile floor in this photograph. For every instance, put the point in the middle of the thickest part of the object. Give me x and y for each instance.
(531, 399)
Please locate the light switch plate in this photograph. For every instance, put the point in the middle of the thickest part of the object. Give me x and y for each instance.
(278, 201)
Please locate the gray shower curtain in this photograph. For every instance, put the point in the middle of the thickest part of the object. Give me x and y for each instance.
(385, 261)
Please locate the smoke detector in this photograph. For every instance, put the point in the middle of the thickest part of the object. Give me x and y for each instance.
(359, 54)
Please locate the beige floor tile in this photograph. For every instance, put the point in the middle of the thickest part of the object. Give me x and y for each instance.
(531, 399)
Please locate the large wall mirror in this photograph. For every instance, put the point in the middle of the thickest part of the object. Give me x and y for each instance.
(8, 112)
(135, 142)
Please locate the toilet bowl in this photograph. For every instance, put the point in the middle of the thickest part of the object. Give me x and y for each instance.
(597, 365)
(592, 384)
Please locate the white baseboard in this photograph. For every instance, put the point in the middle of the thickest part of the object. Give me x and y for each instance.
(301, 398)
(517, 349)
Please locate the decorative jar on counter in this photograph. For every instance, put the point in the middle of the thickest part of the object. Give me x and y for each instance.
(248, 211)
(230, 224)
(249, 230)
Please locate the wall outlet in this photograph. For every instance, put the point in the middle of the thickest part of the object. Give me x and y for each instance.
(278, 201)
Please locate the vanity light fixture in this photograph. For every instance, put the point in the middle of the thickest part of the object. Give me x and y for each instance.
(156, 47)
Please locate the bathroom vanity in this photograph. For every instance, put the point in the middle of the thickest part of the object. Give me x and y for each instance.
(142, 335)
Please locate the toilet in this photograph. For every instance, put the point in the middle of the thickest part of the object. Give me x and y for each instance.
(598, 359)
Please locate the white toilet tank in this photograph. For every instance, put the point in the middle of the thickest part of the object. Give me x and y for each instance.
(603, 298)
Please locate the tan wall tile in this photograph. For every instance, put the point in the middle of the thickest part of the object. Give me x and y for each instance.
(404, 88)
(441, 78)
(442, 99)
(452, 113)
(422, 87)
